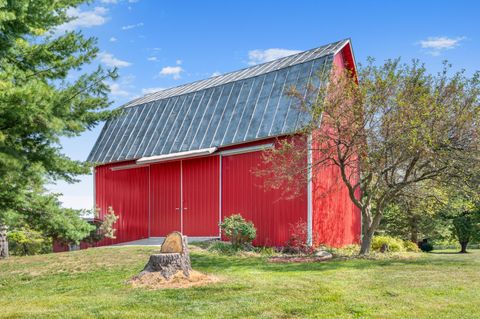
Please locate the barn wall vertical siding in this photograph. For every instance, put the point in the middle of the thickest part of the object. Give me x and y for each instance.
(272, 213)
(126, 191)
(201, 196)
(165, 214)
(336, 220)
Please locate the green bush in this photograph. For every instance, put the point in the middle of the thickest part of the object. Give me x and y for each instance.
(394, 244)
(426, 247)
(24, 241)
(410, 246)
(239, 231)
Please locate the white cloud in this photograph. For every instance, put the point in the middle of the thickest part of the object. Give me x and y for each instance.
(84, 19)
(113, 39)
(261, 56)
(123, 87)
(109, 1)
(216, 73)
(151, 90)
(117, 90)
(172, 70)
(435, 45)
(152, 58)
(132, 26)
(179, 62)
(109, 60)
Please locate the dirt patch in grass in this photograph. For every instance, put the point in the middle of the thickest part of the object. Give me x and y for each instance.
(155, 280)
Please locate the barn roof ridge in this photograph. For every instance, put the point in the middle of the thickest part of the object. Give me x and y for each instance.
(236, 75)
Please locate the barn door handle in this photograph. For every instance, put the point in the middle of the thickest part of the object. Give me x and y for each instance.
(178, 208)
(185, 208)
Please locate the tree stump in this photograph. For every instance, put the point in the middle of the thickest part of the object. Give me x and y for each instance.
(173, 257)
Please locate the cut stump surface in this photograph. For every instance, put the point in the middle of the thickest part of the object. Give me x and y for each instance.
(173, 243)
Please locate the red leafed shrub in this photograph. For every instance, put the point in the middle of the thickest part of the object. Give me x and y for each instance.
(298, 241)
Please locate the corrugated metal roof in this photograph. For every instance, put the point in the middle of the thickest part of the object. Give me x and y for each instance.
(236, 107)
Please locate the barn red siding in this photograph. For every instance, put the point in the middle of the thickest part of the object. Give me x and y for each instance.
(336, 220)
(126, 191)
(201, 196)
(165, 214)
(243, 193)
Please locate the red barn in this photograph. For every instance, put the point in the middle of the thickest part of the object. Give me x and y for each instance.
(183, 158)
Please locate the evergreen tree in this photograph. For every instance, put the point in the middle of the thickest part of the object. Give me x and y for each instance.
(44, 95)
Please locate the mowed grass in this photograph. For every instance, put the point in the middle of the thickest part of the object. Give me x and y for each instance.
(91, 284)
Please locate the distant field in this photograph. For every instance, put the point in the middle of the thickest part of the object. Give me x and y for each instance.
(91, 284)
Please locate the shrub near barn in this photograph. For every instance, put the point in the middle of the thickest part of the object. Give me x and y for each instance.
(239, 231)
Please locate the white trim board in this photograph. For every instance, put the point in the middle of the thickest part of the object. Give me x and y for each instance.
(247, 149)
(123, 167)
(309, 193)
(174, 156)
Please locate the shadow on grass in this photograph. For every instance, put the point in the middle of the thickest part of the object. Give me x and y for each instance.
(447, 253)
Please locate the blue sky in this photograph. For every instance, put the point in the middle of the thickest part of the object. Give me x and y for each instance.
(160, 44)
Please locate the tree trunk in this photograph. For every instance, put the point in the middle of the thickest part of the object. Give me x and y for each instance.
(366, 243)
(413, 230)
(168, 264)
(366, 234)
(369, 226)
(3, 242)
(414, 237)
(464, 247)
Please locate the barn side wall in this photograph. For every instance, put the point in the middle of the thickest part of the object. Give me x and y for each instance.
(274, 212)
(336, 220)
(133, 192)
(127, 192)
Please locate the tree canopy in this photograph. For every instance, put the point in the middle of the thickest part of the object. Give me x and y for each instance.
(45, 94)
(387, 128)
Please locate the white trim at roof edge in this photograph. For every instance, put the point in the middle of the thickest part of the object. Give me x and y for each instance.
(309, 193)
(174, 156)
(94, 171)
(247, 149)
(348, 41)
(123, 167)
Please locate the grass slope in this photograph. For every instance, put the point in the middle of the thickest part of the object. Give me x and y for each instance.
(91, 284)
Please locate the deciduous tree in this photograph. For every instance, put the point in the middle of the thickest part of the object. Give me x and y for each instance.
(386, 128)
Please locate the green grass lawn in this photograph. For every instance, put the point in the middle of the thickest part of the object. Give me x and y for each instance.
(91, 284)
